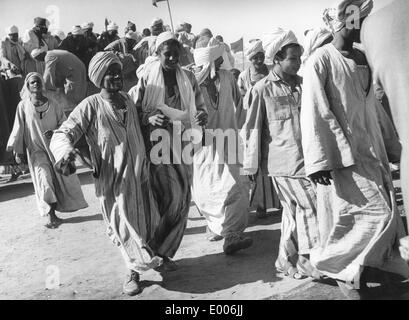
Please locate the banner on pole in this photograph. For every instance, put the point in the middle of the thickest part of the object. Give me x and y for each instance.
(154, 2)
(237, 46)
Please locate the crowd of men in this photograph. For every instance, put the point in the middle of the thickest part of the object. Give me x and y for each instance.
(320, 148)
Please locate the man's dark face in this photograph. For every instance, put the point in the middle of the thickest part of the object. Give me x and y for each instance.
(113, 80)
(218, 63)
(258, 59)
(169, 56)
(13, 37)
(113, 33)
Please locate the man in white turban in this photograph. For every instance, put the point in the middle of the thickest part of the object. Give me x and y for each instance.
(12, 54)
(218, 189)
(347, 13)
(263, 195)
(345, 156)
(108, 36)
(272, 136)
(110, 122)
(314, 39)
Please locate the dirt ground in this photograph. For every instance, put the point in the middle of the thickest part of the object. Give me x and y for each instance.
(91, 267)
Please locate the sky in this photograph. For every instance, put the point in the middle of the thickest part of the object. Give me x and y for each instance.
(232, 19)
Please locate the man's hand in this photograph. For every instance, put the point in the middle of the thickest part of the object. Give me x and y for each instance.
(404, 248)
(321, 177)
(20, 158)
(200, 118)
(48, 134)
(159, 120)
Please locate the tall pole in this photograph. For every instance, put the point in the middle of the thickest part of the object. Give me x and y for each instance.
(242, 39)
(170, 15)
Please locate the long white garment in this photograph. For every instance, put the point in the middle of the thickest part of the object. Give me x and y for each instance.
(50, 186)
(218, 190)
(358, 220)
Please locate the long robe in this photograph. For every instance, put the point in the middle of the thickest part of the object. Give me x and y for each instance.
(358, 219)
(171, 182)
(27, 136)
(219, 191)
(265, 196)
(122, 180)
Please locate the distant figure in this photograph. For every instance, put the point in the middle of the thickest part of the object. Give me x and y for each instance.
(108, 36)
(36, 119)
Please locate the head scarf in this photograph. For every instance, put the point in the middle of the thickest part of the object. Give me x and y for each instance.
(77, 30)
(99, 65)
(314, 39)
(36, 52)
(25, 92)
(11, 30)
(163, 37)
(112, 26)
(337, 17)
(276, 40)
(253, 47)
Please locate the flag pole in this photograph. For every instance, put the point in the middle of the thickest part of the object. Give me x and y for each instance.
(243, 53)
(170, 15)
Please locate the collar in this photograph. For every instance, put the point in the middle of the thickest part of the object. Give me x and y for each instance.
(274, 77)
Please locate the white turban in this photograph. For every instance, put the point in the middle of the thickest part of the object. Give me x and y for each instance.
(208, 54)
(99, 65)
(36, 52)
(253, 47)
(77, 30)
(112, 26)
(314, 39)
(276, 40)
(87, 25)
(163, 37)
(11, 30)
(337, 16)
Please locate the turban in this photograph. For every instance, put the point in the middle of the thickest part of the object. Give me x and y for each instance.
(180, 28)
(314, 39)
(156, 21)
(60, 34)
(36, 52)
(210, 53)
(254, 47)
(130, 26)
(40, 22)
(112, 26)
(206, 32)
(276, 40)
(77, 30)
(99, 65)
(87, 25)
(133, 35)
(337, 16)
(162, 38)
(11, 30)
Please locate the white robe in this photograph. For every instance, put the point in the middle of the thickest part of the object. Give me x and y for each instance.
(358, 219)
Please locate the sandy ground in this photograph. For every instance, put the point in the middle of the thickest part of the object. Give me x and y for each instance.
(91, 267)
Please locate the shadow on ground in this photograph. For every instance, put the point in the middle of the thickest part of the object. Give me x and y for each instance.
(247, 266)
